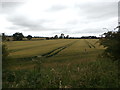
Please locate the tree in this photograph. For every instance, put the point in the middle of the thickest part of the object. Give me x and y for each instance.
(18, 36)
(67, 36)
(112, 43)
(29, 37)
(47, 38)
(56, 37)
(3, 37)
(62, 36)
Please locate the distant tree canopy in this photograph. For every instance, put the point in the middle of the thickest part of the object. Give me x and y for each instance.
(112, 43)
(18, 36)
(88, 37)
(67, 37)
(56, 37)
(62, 36)
(29, 37)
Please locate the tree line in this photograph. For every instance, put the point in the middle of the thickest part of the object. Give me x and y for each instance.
(16, 37)
(19, 37)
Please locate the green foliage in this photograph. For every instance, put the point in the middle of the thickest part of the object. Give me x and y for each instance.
(112, 44)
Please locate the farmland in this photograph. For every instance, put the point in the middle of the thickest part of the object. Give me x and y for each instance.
(59, 63)
(30, 48)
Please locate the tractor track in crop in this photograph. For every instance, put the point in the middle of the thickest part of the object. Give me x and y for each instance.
(50, 53)
(26, 48)
(57, 50)
(89, 44)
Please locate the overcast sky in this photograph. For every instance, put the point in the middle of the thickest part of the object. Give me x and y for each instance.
(50, 17)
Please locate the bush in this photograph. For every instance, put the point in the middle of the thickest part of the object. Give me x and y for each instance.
(112, 44)
(102, 73)
(4, 52)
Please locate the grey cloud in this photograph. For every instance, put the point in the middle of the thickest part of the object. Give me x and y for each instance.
(89, 31)
(30, 25)
(99, 10)
(22, 21)
(57, 8)
(10, 4)
(73, 22)
(95, 12)
(90, 13)
(119, 11)
(93, 30)
(14, 27)
(9, 7)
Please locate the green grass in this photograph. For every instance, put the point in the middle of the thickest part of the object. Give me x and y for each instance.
(72, 64)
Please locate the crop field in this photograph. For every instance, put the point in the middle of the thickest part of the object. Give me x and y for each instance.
(55, 51)
(59, 63)
(19, 49)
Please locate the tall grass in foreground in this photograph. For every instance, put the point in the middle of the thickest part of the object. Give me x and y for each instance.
(102, 73)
